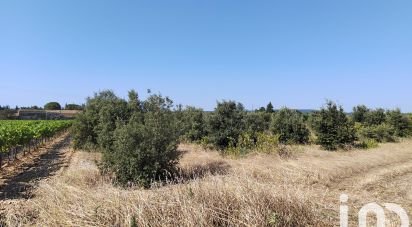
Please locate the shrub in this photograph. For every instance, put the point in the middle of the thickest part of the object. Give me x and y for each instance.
(94, 127)
(333, 128)
(368, 144)
(257, 122)
(83, 134)
(400, 123)
(138, 139)
(134, 104)
(375, 117)
(259, 142)
(226, 124)
(290, 126)
(144, 150)
(379, 133)
(267, 143)
(244, 144)
(193, 124)
(360, 113)
(381, 126)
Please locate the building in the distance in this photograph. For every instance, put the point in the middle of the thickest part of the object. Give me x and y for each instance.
(30, 114)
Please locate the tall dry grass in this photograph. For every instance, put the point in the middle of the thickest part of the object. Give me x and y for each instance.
(258, 190)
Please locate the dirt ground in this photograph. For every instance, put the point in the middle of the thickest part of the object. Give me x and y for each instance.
(18, 178)
(64, 188)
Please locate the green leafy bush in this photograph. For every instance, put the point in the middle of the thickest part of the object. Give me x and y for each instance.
(267, 143)
(379, 133)
(257, 122)
(193, 124)
(290, 126)
(360, 113)
(138, 138)
(375, 117)
(145, 149)
(381, 126)
(259, 142)
(226, 124)
(244, 144)
(368, 144)
(333, 128)
(94, 127)
(401, 124)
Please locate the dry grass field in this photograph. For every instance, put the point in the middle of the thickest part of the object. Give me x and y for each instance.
(257, 190)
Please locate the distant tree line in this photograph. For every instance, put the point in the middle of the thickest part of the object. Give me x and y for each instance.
(4, 107)
(5, 112)
(49, 106)
(73, 107)
(139, 138)
(57, 106)
(8, 113)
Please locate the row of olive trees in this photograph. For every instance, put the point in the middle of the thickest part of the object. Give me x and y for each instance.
(381, 125)
(332, 128)
(139, 138)
(331, 125)
(230, 122)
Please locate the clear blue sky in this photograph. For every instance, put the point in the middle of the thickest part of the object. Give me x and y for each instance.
(293, 53)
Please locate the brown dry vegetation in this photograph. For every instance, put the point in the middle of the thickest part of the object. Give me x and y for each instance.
(257, 190)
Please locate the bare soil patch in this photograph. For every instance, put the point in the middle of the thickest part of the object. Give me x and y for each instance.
(17, 179)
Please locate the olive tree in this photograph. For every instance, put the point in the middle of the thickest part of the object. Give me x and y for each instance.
(145, 148)
(400, 122)
(290, 126)
(360, 113)
(226, 124)
(333, 128)
(193, 124)
(138, 139)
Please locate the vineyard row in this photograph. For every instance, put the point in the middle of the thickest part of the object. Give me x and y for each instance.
(22, 136)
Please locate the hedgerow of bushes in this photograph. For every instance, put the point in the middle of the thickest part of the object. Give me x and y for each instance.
(233, 130)
(380, 126)
(139, 138)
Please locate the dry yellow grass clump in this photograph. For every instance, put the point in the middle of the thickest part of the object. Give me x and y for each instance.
(257, 190)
